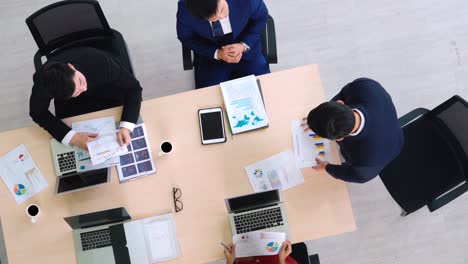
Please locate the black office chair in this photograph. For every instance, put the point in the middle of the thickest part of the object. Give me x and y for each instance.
(268, 38)
(74, 23)
(301, 255)
(432, 168)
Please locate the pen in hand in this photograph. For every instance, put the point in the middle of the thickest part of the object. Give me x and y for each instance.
(225, 246)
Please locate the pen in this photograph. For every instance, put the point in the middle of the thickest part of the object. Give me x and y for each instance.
(225, 246)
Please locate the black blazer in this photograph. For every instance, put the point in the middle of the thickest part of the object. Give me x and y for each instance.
(381, 139)
(109, 83)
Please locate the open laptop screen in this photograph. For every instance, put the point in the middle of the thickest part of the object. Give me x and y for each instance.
(98, 218)
(81, 180)
(252, 201)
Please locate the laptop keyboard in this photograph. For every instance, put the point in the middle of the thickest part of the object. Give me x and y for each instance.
(258, 220)
(66, 161)
(95, 239)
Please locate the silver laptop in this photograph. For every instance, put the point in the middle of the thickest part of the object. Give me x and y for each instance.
(257, 211)
(71, 174)
(108, 237)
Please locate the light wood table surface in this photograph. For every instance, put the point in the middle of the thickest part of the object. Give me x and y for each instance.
(206, 175)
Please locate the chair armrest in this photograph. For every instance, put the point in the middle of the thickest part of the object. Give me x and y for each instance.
(314, 259)
(447, 197)
(272, 55)
(300, 253)
(187, 58)
(409, 117)
(38, 61)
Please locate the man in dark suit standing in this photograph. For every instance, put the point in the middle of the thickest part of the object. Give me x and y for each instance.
(226, 35)
(363, 121)
(84, 80)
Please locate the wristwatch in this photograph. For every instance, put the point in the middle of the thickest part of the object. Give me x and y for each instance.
(246, 47)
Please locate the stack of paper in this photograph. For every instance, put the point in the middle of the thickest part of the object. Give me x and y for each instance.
(244, 104)
(308, 146)
(258, 243)
(276, 172)
(21, 175)
(160, 236)
(106, 146)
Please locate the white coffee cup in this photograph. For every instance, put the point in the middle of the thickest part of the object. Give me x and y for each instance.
(33, 211)
(165, 148)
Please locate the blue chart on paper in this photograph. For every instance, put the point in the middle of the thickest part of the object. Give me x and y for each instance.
(249, 116)
(246, 120)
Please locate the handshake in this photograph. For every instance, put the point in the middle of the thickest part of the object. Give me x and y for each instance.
(231, 53)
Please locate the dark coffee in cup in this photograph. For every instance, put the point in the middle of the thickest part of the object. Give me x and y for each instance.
(166, 147)
(33, 210)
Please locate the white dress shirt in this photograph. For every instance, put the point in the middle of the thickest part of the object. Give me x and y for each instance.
(226, 25)
(361, 126)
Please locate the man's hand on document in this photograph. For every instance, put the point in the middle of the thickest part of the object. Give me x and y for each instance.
(81, 139)
(124, 136)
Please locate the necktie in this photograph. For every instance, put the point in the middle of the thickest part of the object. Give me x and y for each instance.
(217, 29)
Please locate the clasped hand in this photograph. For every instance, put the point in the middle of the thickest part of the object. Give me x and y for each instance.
(231, 53)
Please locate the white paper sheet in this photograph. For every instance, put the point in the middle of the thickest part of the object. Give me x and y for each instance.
(160, 236)
(21, 174)
(244, 104)
(258, 243)
(105, 149)
(276, 172)
(308, 146)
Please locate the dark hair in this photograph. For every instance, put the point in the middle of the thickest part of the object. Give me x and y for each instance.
(202, 8)
(331, 120)
(57, 77)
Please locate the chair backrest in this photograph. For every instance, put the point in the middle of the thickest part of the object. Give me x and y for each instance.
(300, 254)
(432, 168)
(453, 115)
(64, 22)
(269, 41)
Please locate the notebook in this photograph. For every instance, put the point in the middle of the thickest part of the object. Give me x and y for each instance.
(244, 104)
(161, 238)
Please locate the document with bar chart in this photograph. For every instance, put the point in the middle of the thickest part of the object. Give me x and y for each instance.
(276, 172)
(21, 174)
(308, 146)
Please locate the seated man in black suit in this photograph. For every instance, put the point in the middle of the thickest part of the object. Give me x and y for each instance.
(363, 121)
(84, 80)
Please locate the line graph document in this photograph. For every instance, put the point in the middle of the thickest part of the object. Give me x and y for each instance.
(106, 148)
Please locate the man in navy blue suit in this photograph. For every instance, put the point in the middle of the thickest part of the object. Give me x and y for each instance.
(226, 35)
(363, 121)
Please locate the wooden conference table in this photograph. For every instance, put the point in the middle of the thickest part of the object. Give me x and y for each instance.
(206, 175)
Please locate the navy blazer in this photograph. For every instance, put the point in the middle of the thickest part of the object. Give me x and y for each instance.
(247, 17)
(381, 139)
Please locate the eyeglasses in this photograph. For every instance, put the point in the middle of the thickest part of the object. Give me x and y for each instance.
(177, 193)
